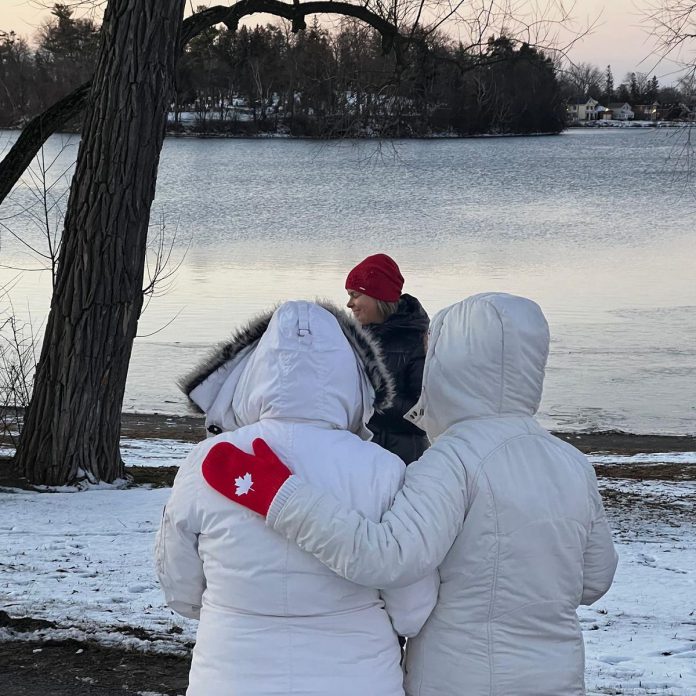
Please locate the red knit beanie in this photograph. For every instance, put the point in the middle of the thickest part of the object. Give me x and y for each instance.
(377, 276)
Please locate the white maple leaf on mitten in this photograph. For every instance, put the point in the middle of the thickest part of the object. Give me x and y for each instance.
(243, 484)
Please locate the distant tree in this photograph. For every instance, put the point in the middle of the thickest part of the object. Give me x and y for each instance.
(608, 90)
(17, 79)
(633, 90)
(673, 27)
(623, 94)
(652, 90)
(362, 71)
(686, 86)
(638, 86)
(669, 95)
(66, 53)
(312, 65)
(201, 73)
(519, 92)
(585, 80)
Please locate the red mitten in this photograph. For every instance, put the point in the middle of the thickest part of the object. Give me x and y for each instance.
(252, 480)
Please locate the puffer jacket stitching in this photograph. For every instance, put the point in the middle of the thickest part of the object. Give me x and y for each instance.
(286, 603)
(491, 656)
(502, 359)
(423, 670)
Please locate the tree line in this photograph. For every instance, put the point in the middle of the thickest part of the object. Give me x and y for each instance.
(31, 80)
(314, 82)
(584, 80)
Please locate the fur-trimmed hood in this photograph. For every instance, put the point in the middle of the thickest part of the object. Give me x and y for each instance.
(294, 361)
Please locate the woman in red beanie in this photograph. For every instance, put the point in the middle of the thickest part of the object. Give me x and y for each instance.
(399, 323)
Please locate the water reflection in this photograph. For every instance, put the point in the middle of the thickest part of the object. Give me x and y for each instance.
(589, 224)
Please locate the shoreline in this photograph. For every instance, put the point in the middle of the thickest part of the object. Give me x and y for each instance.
(273, 135)
(190, 429)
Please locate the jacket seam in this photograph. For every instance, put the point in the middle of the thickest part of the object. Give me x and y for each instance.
(531, 604)
(502, 445)
(501, 396)
(291, 437)
(491, 659)
(485, 459)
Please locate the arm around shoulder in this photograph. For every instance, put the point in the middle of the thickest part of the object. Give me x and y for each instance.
(410, 541)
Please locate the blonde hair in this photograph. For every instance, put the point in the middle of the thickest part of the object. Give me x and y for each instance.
(386, 309)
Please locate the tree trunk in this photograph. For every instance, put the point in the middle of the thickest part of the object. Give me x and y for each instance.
(72, 426)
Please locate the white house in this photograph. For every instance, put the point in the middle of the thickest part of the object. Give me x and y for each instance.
(583, 110)
(621, 112)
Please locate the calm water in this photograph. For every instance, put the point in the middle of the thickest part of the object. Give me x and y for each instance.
(595, 226)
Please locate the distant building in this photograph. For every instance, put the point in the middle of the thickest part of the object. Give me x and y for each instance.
(647, 112)
(621, 112)
(585, 110)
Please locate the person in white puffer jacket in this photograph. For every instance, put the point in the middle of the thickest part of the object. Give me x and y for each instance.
(510, 514)
(273, 619)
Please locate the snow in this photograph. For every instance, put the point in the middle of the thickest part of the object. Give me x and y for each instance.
(653, 458)
(85, 561)
(149, 452)
(154, 452)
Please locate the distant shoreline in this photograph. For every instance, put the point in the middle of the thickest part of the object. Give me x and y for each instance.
(212, 135)
(592, 126)
(190, 429)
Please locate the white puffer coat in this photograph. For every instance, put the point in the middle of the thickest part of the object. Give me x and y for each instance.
(518, 507)
(273, 619)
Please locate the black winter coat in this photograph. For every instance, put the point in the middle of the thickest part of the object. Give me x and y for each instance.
(402, 339)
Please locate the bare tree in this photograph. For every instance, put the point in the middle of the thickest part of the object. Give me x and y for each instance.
(585, 79)
(672, 24)
(45, 211)
(17, 365)
(72, 424)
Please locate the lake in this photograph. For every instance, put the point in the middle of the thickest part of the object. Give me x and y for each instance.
(595, 225)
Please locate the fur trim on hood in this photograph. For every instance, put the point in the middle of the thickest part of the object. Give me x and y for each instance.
(366, 348)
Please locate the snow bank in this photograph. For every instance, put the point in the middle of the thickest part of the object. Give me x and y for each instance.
(84, 561)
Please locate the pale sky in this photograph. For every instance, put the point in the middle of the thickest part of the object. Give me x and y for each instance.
(618, 39)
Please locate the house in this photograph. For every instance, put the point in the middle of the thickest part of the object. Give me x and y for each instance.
(621, 112)
(647, 112)
(584, 110)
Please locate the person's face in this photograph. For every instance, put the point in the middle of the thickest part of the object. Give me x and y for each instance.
(364, 307)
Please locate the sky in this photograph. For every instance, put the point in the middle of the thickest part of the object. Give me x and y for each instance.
(618, 38)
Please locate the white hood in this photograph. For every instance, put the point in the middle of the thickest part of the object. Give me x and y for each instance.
(486, 357)
(300, 366)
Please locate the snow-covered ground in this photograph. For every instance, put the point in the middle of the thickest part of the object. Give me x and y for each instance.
(84, 561)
